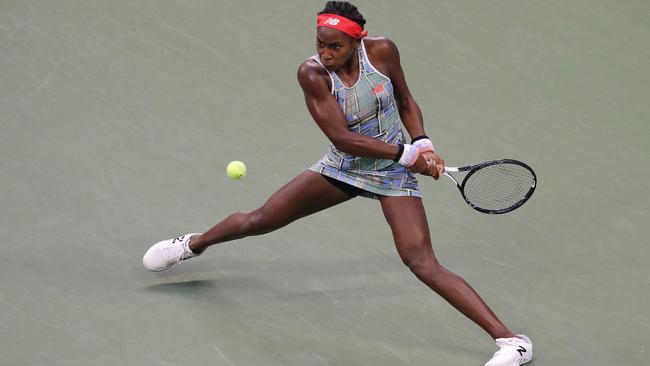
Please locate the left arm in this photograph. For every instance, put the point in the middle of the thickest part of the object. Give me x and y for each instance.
(408, 108)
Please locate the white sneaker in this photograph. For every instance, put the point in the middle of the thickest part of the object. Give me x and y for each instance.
(166, 253)
(514, 351)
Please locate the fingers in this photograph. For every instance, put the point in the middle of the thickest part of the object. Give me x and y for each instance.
(433, 170)
(440, 165)
(441, 168)
(420, 166)
(430, 168)
(437, 165)
(429, 163)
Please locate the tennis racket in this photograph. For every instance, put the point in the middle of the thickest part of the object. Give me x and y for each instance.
(497, 186)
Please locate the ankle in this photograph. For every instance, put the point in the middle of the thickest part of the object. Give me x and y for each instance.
(505, 334)
(195, 244)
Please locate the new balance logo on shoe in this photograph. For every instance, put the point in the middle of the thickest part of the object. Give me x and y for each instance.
(512, 351)
(521, 350)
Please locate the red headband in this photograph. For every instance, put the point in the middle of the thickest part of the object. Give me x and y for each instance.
(345, 25)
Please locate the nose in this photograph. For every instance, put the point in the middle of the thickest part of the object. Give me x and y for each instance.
(326, 56)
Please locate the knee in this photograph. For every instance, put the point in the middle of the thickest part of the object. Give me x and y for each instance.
(416, 252)
(424, 265)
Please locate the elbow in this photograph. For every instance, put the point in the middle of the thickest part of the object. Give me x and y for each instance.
(342, 143)
(406, 104)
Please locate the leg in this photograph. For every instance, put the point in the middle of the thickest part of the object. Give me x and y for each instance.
(306, 194)
(408, 222)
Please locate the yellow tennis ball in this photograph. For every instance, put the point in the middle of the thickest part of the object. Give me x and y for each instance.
(236, 170)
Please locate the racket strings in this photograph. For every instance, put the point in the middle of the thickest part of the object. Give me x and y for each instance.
(499, 186)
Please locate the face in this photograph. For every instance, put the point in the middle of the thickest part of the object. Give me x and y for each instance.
(334, 47)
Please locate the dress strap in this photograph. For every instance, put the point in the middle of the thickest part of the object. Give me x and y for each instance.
(333, 81)
(367, 65)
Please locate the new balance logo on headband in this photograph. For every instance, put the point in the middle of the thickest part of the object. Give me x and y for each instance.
(332, 21)
(343, 24)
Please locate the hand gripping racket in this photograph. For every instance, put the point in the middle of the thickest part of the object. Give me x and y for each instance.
(497, 186)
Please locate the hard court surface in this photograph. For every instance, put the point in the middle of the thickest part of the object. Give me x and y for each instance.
(117, 119)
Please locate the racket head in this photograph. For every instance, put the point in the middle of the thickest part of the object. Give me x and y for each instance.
(498, 186)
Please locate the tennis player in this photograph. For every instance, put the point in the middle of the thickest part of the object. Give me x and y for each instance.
(356, 93)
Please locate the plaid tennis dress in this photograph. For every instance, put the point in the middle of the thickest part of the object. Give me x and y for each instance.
(370, 109)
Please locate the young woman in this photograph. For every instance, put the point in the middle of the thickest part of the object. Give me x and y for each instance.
(356, 93)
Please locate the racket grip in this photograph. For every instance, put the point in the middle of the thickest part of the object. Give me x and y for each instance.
(452, 169)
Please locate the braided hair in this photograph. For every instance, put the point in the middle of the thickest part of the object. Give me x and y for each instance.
(344, 9)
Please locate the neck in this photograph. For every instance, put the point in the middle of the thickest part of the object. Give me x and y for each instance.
(351, 65)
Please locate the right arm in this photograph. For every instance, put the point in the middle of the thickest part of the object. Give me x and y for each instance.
(327, 114)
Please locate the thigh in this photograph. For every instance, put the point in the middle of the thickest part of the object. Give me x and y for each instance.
(306, 194)
(408, 223)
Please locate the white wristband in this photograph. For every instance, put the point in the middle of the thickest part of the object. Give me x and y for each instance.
(409, 155)
(424, 145)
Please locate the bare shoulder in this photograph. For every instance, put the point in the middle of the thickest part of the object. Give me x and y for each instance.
(312, 76)
(382, 53)
(310, 69)
(381, 47)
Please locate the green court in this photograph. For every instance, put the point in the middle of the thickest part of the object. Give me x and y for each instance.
(117, 120)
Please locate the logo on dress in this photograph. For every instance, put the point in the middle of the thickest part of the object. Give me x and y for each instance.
(379, 88)
(332, 21)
